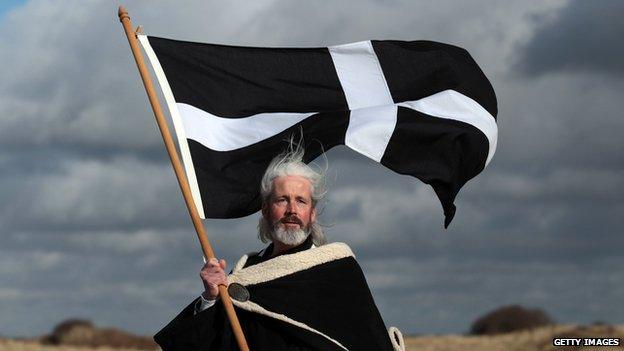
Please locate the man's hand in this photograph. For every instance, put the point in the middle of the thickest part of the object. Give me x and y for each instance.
(213, 275)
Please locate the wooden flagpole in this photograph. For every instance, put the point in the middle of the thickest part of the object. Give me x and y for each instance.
(179, 172)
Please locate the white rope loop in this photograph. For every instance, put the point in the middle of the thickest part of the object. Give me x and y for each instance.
(396, 338)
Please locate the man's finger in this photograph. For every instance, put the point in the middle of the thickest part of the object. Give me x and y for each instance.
(213, 262)
(210, 263)
(222, 263)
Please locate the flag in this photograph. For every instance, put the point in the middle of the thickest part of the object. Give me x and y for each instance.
(420, 108)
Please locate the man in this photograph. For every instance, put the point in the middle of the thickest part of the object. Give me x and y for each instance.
(298, 293)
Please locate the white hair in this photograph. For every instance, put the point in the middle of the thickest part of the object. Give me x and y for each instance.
(290, 163)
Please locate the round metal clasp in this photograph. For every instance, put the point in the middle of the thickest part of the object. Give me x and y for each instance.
(238, 292)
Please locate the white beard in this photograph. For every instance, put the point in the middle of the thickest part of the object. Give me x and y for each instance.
(292, 237)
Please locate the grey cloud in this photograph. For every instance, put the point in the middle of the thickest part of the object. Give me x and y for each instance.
(560, 124)
(94, 226)
(455, 293)
(84, 194)
(65, 83)
(73, 81)
(488, 30)
(585, 36)
(506, 216)
(110, 277)
(558, 185)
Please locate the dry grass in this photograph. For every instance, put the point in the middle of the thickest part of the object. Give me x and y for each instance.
(539, 339)
(534, 340)
(16, 345)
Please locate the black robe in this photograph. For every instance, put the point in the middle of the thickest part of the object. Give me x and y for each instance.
(305, 299)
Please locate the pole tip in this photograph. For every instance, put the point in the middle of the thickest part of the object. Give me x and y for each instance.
(122, 12)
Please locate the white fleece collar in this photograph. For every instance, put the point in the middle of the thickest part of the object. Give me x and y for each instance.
(284, 265)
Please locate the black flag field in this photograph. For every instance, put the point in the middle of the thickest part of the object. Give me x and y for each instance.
(420, 108)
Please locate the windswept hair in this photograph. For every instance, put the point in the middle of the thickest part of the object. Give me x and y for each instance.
(290, 163)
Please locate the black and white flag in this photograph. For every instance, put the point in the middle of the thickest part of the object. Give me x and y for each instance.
(420, 108)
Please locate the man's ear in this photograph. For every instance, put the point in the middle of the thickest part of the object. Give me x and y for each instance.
(313, 215)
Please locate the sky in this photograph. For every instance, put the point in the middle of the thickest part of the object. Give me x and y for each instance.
(93, 226)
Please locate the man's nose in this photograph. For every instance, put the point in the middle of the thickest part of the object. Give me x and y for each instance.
(291, 208)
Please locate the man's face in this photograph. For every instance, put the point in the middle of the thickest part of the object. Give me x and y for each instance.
(290, 206)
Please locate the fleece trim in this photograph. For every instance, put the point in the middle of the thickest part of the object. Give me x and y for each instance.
(284, 265)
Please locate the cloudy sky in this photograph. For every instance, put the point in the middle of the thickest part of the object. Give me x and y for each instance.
(92, 224)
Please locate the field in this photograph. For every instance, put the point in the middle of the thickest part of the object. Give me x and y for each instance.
(535, 340)
(539, 339)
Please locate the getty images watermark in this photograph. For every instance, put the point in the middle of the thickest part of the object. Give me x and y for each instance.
(586, 342)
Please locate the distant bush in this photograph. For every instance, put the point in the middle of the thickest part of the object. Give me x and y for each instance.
(508, 319)
(71, 332)
(79, 332)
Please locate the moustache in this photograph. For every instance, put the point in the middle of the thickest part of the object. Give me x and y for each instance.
(291, 219)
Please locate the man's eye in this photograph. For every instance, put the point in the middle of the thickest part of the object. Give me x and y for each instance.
(302, 201)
